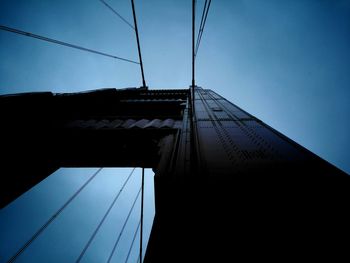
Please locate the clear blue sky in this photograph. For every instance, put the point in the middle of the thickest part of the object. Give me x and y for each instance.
(286, 62)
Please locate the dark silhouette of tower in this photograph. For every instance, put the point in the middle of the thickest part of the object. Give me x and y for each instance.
(227, 185)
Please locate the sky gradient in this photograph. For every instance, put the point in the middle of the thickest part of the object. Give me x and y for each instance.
(286, 62)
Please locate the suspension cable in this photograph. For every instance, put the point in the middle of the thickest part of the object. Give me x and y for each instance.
(58, 42)
(104, 218)
(138, 44)
(122, 230)
(201, 24)
(52, 218)
(115, 12)
(142, 194)
(203, 21)
(193, 48)
(132, 242)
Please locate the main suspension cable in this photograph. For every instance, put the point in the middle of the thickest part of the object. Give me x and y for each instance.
(58, 42)
(133, 241)
(104, 218)
(115, 12)
(202, 25)
(122, 230)
(52, 218)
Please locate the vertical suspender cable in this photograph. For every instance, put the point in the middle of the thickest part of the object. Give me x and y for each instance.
(141, 228)
(193, 47)
(193, 121)
(53, 217)
(138, 44)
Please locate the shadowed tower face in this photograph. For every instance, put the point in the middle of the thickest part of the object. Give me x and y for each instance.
(219, 171)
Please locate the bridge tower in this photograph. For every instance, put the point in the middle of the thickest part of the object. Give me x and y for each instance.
(227, 185)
